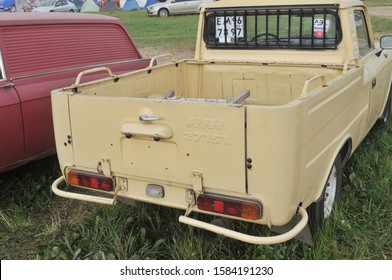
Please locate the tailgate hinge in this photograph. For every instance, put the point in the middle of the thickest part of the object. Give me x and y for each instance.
(104, 167)
(197, 182)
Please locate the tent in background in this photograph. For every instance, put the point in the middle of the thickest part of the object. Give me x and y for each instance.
(89, 6)
(7, 5)
(131, 5)
(78, 3)
(109, 6)
(149, 3)
(141, 3)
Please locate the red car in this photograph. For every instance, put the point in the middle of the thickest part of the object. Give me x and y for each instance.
(45, 51)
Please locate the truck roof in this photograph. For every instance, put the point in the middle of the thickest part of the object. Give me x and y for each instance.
(8, 19)
(250, 3)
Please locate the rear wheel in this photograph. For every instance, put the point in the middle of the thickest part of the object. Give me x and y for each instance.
(323, 208)
(163, 13)
(71, 11)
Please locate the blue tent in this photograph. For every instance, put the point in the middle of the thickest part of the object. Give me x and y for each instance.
(7, 5)
(131, 5)
(78, 3)
(149, 3)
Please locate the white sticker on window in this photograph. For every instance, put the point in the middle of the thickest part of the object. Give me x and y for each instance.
(228, 28)
(318, 27)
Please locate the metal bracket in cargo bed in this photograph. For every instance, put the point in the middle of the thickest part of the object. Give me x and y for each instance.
(239, 99)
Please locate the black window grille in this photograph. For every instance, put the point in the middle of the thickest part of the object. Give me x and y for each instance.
(291, 27)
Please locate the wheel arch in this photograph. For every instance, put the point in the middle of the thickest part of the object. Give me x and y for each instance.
(317, 209)
(344, 150)
(165, 9)
(388, 93)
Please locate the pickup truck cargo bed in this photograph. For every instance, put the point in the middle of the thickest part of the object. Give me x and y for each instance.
(190, 80)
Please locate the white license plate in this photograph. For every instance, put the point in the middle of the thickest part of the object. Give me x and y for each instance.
(228, 28)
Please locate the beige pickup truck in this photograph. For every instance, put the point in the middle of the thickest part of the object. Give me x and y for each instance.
(257, 127)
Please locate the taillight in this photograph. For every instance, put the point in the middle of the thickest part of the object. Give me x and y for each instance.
(89, 180)
(243, 208)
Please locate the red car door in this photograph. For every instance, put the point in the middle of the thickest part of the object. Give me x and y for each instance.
(34, 93)
(11, 125)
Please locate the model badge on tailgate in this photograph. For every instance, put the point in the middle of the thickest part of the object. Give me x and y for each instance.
(204, 123)
(206, 137)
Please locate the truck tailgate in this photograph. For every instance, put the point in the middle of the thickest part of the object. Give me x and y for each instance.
(189, 137)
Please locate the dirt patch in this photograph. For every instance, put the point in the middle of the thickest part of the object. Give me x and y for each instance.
(381, 11)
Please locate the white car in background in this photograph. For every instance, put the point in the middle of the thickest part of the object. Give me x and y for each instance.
(176, 7)
(56, 6)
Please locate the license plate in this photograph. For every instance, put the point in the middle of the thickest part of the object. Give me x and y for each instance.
(228, 28)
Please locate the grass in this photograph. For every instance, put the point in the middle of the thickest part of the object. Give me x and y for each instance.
(178, 31)
(378, 3)
(382, 24)
(36, 224)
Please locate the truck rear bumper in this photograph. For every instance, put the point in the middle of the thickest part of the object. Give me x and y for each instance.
(263, 240)
(78, 196)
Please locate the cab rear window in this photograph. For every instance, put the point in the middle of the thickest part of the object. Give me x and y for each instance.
(43, 48)
(292, 27)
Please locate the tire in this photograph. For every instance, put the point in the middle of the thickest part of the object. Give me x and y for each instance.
(387, 111)
(51, 11)
(323, 208)
(71, 11)
(163, 13)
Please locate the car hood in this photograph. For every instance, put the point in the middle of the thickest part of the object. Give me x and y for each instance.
(157, 5)
(42, 9)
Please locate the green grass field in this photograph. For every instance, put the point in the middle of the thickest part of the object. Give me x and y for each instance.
(36, 224)
(376, 3)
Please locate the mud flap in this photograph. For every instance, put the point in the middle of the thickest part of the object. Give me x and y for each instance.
(304, 235)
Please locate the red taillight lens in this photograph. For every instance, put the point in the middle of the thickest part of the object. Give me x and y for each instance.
(89, 180)
(246, 209)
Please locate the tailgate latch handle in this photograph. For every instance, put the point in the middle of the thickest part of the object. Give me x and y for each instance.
(146, 118)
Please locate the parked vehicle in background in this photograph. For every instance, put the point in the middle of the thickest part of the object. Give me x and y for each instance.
(257, 127)
(41, 52)
(7, 5)
(56, 6)
(176, 7)
(101, 3)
